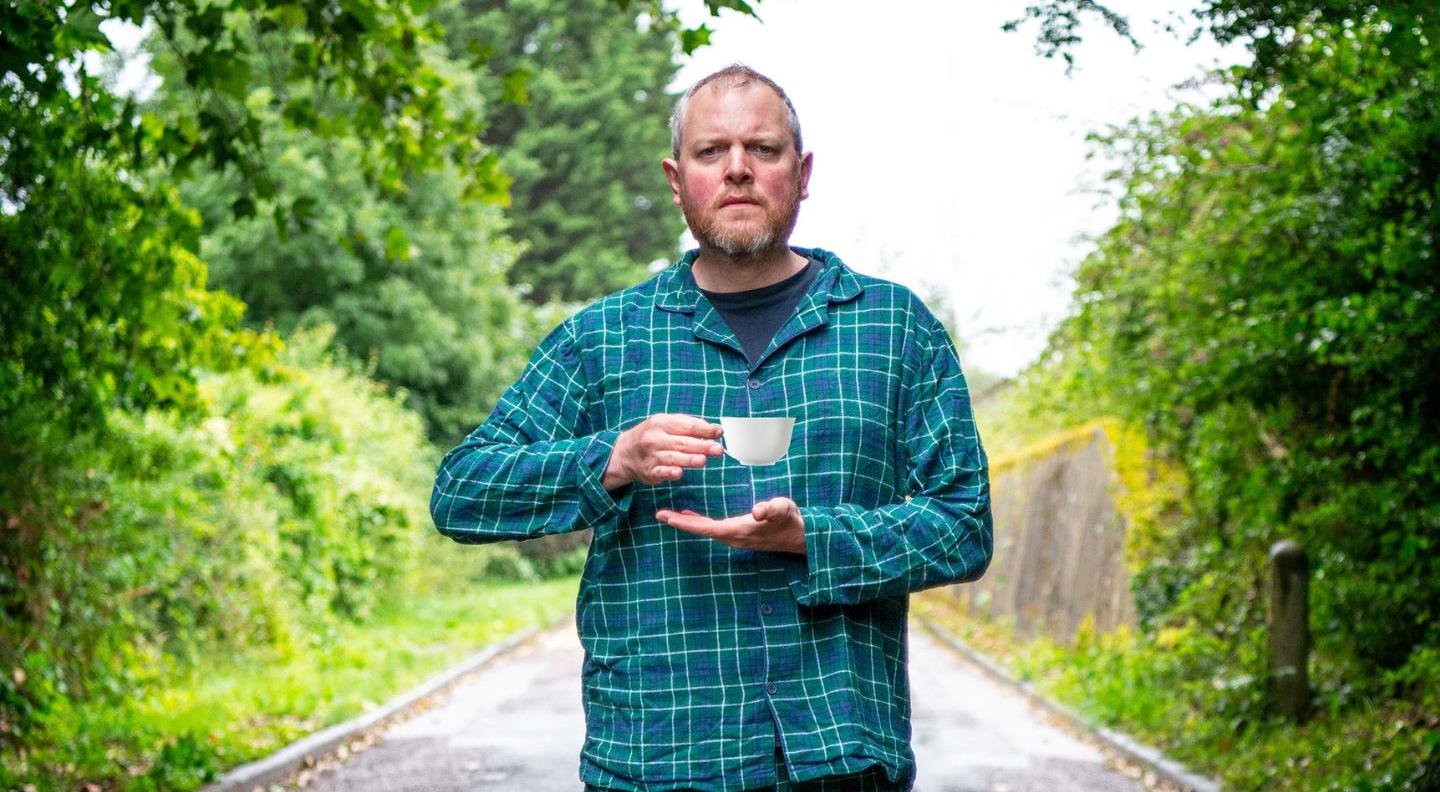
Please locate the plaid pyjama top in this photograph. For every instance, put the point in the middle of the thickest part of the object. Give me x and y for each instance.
(700, 659)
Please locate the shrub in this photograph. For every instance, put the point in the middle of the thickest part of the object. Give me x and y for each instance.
(295, 502)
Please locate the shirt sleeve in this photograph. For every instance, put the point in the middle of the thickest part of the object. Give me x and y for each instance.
(526, 471)
(943, 533)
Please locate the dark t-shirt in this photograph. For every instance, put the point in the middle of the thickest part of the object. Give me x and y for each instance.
(756, 315)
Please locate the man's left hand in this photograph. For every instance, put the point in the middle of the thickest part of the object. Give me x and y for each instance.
(774, 525)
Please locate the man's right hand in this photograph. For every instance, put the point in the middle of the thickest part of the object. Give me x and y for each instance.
(659, 448)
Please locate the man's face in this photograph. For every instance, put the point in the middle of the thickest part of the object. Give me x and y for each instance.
(738, 179)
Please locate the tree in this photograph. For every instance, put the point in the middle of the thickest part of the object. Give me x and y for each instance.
(1268, 305)
(1405, 29)
(414, 278)
(411, 278)
(98, 265)
(581, 134)
(414, 284)
(105, 302)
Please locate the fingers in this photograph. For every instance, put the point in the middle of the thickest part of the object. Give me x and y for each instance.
(662, 473)
(682, 424)
(665, 444)
(670, 465)
(694, 445)
(675, 442)
(678, 459)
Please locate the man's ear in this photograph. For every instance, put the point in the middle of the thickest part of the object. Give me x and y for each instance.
(806, 163)
(672, 175)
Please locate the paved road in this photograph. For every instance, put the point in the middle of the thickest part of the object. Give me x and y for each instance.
(516, 726)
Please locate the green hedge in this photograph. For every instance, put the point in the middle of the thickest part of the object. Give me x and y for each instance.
(292, 504)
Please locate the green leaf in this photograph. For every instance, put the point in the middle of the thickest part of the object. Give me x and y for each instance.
(291, 16)
(84, 25)
(303, 211)
(243, 206)
(692, 39)
(513, 86)
(489, 183)
(734, 5)
(397, 245)
(281, 218)
(479, 53)
(300, 112)
(153, 126)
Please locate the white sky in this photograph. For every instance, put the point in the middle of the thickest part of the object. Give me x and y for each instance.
(949, 156)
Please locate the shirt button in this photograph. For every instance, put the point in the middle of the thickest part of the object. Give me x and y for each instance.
(753, 383)
(766, 609)
(773, 688)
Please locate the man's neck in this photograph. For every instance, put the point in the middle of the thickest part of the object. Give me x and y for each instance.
(714, 271)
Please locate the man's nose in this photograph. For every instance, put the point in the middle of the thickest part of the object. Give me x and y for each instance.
(737, 165)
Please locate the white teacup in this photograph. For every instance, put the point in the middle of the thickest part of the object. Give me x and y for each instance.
(756, 441)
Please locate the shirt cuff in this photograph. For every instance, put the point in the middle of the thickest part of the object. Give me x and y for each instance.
(597, 503)
(807, 580)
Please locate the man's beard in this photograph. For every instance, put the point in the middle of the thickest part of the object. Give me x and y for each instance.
(750, 241)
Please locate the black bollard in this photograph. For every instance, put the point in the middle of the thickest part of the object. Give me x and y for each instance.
(1289, 629)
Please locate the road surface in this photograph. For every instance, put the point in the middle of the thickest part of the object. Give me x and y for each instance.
(516, 725)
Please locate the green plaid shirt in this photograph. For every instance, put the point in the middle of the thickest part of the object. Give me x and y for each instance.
(699, 657)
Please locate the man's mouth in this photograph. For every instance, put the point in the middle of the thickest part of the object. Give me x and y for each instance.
(738, 202)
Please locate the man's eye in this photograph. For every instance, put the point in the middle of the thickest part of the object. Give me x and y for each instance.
(709, 151)
(766, 150)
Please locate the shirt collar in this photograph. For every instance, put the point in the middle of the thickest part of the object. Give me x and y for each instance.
(676, 289)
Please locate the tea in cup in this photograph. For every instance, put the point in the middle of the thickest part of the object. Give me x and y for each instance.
(756, 441)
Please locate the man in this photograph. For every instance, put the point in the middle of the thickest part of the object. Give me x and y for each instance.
(744, 627)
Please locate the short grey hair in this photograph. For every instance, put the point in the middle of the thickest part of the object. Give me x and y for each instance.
(733, 76)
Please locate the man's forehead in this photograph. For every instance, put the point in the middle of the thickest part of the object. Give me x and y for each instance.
(720, 105)
(750, 92)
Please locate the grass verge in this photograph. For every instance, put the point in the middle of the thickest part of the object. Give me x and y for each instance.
(1144, 687)
(228, 710)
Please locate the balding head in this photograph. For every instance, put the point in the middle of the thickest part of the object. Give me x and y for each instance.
(735, 75)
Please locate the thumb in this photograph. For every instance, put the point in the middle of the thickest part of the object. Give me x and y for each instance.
(770, 509)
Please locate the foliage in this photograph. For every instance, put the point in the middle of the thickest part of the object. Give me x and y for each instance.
(369, 52)
(1267, 303)
(565, 564)
(1162, 688)
(585, 142)
(1269, 29)
(232, 706)
(107, 315)
(104, 301)
(73, 215)
(414, 283)
(1266, 309)
(414, 279)
(374, 55)
(288, 506)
